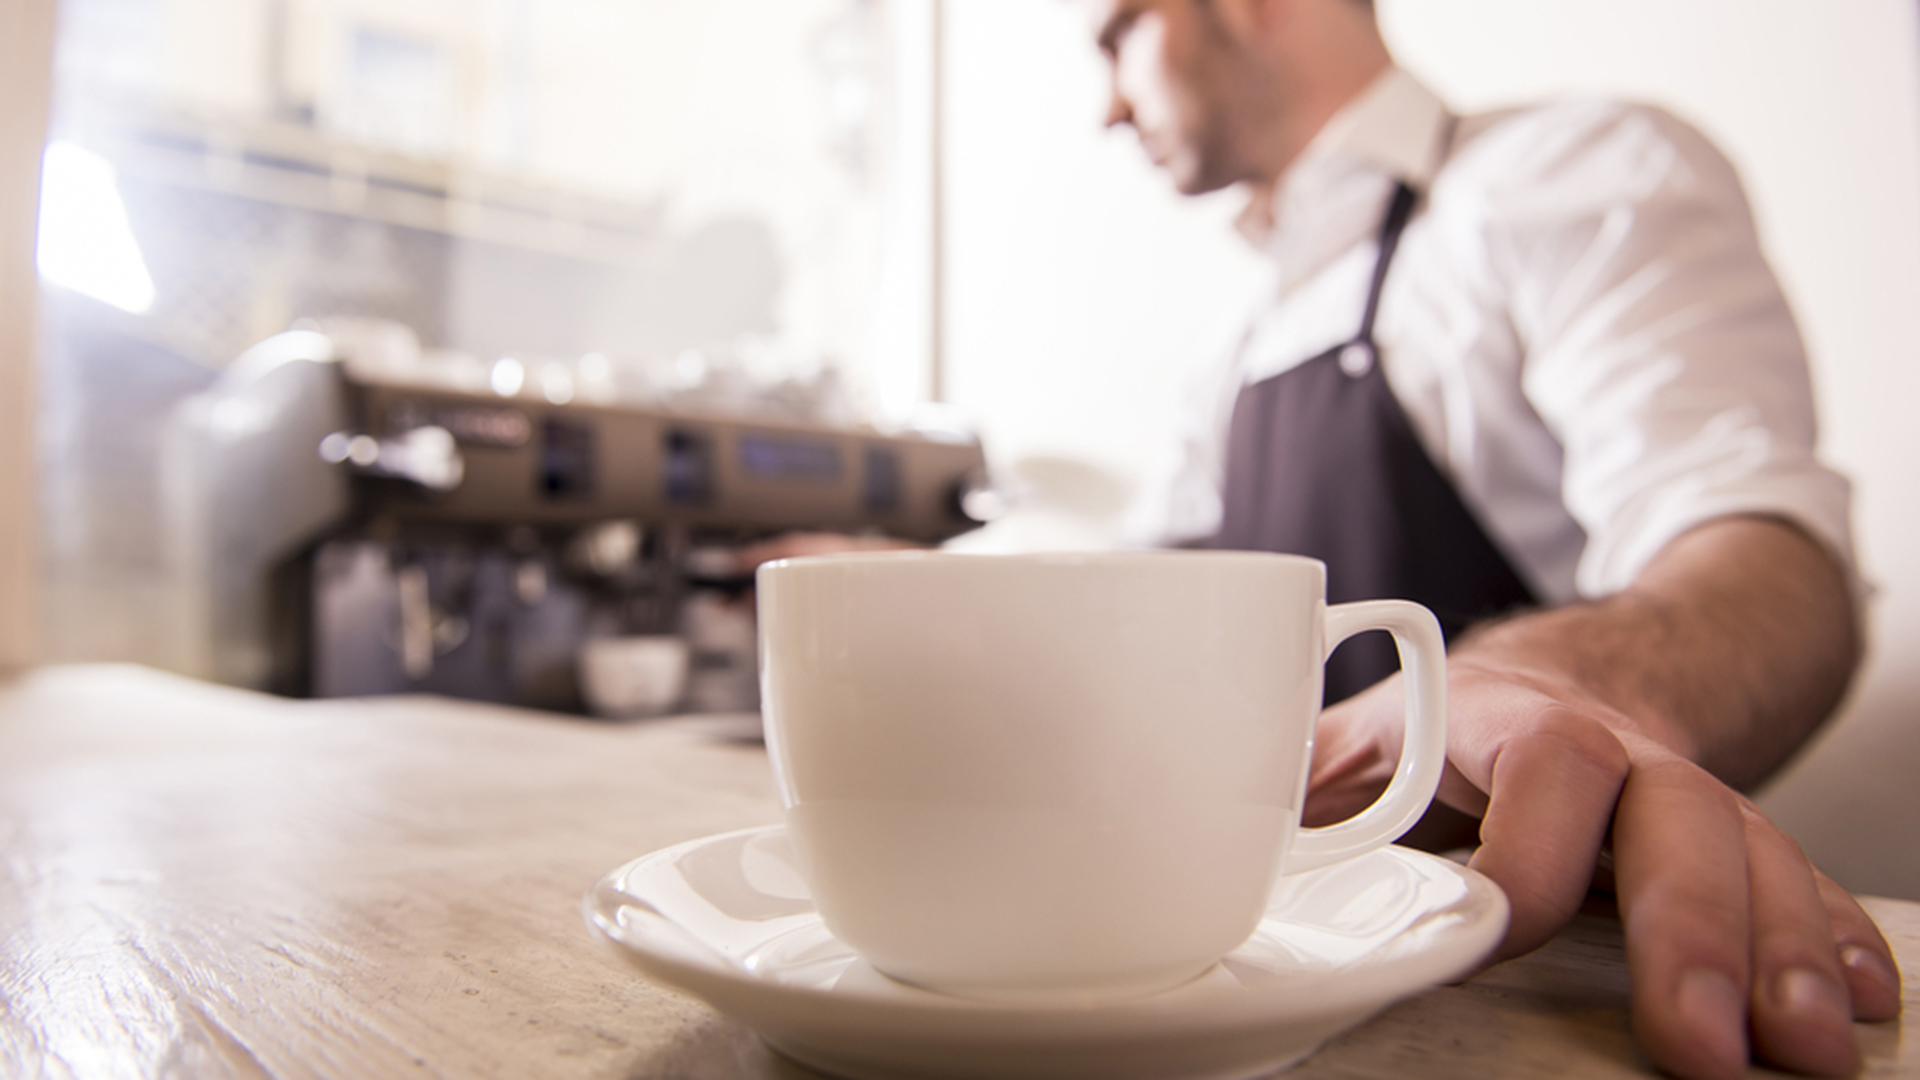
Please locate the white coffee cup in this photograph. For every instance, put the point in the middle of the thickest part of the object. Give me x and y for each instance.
(641, 675)
(1065, 777)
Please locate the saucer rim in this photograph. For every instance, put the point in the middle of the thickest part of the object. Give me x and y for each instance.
(723, 983)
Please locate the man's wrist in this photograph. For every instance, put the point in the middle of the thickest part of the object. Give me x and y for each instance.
(1532, 667)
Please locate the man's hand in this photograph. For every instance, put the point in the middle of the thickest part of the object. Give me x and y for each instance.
(1731, 933)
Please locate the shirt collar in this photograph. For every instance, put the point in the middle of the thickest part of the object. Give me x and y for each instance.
(1395, 126)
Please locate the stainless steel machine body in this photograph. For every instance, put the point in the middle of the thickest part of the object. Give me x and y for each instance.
(357, 534)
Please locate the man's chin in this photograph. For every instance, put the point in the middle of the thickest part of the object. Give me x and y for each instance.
(1188, 174)
(1193, 182)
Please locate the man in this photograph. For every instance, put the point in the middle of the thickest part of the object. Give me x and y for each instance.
(1532, 371)
(1535, 363)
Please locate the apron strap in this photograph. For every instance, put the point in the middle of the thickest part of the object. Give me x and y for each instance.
(1398, 212)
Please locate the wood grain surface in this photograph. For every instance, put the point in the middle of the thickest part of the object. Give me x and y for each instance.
(202, 882)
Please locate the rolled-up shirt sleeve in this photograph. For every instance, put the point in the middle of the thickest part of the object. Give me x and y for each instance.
(1659, 349)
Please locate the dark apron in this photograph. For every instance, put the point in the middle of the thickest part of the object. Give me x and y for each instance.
(1321, 461)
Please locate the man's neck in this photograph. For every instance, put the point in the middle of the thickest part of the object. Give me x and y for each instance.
(1322, 96)
(1256, 221)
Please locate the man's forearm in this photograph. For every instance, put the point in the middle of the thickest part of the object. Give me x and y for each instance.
(1731, 647)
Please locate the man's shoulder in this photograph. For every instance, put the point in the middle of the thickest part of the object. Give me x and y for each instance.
(1586, 149)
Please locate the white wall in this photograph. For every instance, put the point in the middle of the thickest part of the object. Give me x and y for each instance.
(1080, 287)
(26, 39)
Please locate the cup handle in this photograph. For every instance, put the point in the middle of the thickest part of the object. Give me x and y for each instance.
(1423, 753)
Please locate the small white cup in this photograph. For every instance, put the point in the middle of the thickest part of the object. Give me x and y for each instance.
(643, 675)
(1064, 777)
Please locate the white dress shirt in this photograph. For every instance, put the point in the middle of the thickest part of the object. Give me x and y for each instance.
(1579, 324)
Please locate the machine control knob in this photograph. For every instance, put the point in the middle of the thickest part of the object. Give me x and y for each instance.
(975, 498)
(426, 455)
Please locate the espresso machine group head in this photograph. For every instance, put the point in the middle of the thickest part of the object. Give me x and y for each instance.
(354, 533)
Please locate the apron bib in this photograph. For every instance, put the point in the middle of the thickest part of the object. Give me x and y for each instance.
(1322, 461)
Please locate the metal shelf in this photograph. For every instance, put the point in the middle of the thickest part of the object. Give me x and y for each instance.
(292, 165)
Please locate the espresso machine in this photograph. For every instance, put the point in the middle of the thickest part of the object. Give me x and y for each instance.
(351, 531)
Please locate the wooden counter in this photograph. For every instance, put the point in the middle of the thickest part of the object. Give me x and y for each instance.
(202, 882)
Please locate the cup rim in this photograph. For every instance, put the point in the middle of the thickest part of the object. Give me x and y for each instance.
(1089, 559)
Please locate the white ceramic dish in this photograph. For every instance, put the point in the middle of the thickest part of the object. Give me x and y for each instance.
(728, 919)
(643, 675)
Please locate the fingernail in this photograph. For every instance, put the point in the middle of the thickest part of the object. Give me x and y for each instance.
(1716, 1012)
(1812, 995)
(1867, 962)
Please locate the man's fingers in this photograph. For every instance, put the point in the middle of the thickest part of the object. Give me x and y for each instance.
(1802, 1015)
(1873, 977)
(1551, 794)
(1679, 849)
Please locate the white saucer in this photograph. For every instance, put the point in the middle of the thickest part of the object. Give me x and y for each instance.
(729, 919)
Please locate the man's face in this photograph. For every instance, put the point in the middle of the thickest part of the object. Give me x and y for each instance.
(1175, 68)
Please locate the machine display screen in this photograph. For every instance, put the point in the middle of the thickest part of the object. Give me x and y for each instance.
(690, 468)
(770, 457)
(881, 491)
(566, 460)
